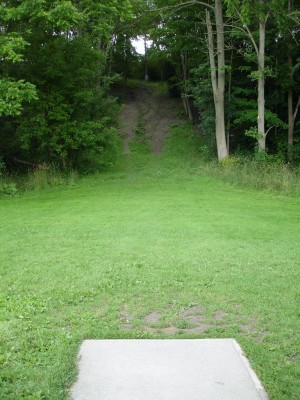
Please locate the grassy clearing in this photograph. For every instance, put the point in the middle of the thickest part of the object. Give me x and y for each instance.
(157, 234)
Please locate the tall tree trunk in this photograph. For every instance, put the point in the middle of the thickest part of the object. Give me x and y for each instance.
(292, 114)
(125, 62)
(291, 125)
(218, 79)
(261, 86)
(228, 125)
(187, 103)
(146, 59)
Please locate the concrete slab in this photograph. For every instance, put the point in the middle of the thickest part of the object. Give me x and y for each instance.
(209, 369)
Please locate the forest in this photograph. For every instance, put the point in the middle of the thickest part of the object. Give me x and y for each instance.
(234, 63)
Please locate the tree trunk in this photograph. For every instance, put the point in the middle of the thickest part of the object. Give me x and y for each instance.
(218, 80)
(261, 86)
(228, 125)
(125, 62)
(292, 114)
(187, 102)
(291, 119)
(184, 104)
(146, 59)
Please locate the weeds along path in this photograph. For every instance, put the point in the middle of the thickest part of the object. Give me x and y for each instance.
(150, 112)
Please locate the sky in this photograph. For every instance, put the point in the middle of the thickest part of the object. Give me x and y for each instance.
(139, 44)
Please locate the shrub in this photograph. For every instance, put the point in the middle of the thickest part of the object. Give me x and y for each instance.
(261, 173)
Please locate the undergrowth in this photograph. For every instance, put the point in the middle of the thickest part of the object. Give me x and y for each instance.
(187, 144)
(44, 176)
(256, 174)
(185, 147)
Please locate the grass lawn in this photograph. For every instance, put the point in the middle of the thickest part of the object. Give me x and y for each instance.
(155, 249)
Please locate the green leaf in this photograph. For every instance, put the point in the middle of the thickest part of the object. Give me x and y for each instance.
(13, 94)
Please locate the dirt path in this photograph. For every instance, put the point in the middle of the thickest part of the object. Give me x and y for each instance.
(154, 111)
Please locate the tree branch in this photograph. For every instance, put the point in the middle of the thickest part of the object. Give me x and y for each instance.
(211, 53)
(245, 26)
(18, 161)
(183, 5)
(271, 127)
(297, 108)
(252, 39)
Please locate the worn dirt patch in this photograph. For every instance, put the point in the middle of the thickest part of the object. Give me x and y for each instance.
(252, 329)
(154, 110)
(195, 316)
(127, 326)
(200, 328)
(219, 316)
(169, 330)
(192, 320)
(152, 318)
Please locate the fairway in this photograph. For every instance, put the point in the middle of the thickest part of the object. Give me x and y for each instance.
(147, 251)
(150, 193)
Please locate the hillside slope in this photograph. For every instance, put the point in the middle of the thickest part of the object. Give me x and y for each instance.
(150, 111)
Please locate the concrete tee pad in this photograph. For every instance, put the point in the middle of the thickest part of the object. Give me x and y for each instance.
(209, 369)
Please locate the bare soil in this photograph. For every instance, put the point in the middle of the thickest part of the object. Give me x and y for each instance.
(152, 109)
(192, 320)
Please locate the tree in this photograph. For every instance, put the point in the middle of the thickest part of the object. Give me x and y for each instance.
(256, 13)
(291, 32)
(175, 35)
(218, 75)
(63, 48)
(217, 63)
(13, 92)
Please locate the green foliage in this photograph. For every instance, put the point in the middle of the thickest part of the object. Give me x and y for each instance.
(101, 17)
(200, 86)
(2, 167)
(11, 47)
(9, 189)
(64, 47)
(67, 142)
(267, 72)
(13, 94)
(59, 58)
(63, 15)
(253, 133)
(229, 162)
(250, 116)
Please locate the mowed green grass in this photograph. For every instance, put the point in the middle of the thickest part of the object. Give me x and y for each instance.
(151, 236)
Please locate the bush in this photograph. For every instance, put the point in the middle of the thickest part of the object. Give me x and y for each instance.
(60, 139)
